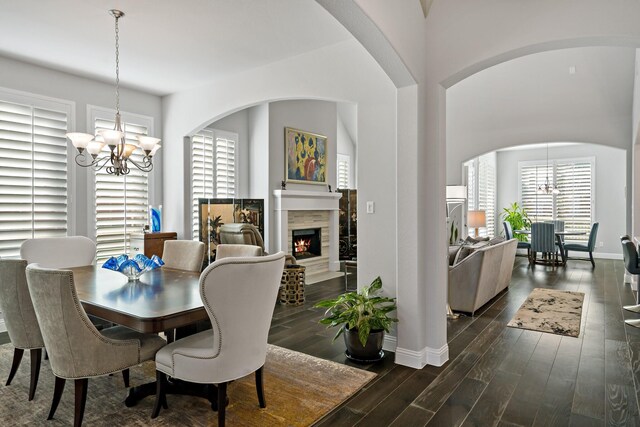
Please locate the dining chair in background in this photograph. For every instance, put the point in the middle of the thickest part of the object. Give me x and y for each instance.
(184, 255)
(589, 247)
(77, 350)
(20, 318)
(241, 234)
(508, 234)
(543, 240)
(230, 250)
(237, 344)
(59, 252)
(632, 265)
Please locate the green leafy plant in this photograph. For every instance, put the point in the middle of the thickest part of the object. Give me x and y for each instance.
(518, 218)
(364, 310)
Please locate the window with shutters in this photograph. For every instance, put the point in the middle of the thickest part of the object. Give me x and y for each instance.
(481, 190)
(344, 161)
(33, 169)
(574, 203)
(121, 202)
(213, 168)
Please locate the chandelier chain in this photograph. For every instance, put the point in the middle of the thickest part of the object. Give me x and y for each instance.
(117, 66)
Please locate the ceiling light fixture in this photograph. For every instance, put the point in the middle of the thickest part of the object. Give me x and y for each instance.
(119, 156)
(547, 188)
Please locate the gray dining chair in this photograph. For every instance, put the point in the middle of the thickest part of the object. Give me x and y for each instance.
(20, 319)
(59, 252)
(77, 350)
(508, 234)
(237, 344)
(230, 250)
(589, 247)
(543, 240)
(632, 265)
(184, 255)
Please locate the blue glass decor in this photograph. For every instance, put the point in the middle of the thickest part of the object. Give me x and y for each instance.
(135, 267)
(155, 217)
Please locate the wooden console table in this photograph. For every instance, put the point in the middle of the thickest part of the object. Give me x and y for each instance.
(151, 244)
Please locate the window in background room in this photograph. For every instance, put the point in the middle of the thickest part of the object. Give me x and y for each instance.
(574, 203)
(213, 168)
(33, 170)
(344, 161)
(121, 202)
(481, 190)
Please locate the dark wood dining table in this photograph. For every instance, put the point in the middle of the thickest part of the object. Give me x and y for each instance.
(160, 300)
(560, 235)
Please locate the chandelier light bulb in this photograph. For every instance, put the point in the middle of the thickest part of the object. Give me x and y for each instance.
(80, 140)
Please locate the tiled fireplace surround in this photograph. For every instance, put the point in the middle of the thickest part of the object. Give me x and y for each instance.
(296, 210)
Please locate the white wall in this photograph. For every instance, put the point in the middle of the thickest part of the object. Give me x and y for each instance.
(610, 180)
(238, 123)
(347, 147)
(38, 80)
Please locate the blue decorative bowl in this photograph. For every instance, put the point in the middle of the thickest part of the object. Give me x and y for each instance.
(133, 268)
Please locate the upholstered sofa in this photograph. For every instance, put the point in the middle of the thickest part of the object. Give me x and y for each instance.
(483, 273)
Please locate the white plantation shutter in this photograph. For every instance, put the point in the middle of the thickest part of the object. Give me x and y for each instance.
(573, 204)
(121, 201)
(343, 171)
(213, 168)
(33, 173)
(538, 206)
(472, 185)
(481, 191)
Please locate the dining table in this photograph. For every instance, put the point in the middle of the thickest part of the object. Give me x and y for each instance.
(160, 300)
(560, 235)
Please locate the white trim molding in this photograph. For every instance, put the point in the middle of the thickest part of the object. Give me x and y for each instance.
(603, 255)
(3, 327)
(390, 343)
(426, 356)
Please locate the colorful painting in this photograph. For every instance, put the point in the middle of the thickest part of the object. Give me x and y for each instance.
(306, 157)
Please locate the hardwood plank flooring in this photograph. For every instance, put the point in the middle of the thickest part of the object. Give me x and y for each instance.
(496, 375)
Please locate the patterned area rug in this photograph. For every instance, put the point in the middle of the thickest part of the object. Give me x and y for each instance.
(299, 390)
(548, 310)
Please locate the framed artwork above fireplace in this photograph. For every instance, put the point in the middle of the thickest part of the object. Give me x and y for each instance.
(306, 155)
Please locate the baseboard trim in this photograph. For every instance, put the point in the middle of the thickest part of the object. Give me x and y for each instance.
(604, 255)
(390, 343)
(426, 356)
(3, 327)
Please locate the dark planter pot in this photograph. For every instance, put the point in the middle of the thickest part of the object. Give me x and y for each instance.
(371, 352)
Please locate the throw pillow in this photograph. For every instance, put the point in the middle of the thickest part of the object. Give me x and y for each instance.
(453, 253)
(473, 240)
(496, 240)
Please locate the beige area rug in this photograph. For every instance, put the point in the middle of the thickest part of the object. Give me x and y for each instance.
(548, 310)
(299, 390)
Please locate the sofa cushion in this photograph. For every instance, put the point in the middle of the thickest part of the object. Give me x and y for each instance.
(466, 250)
(474, 240)
(496, 240)
(453, 253)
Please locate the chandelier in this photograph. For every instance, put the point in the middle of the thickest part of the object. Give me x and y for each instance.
(547, 188)
(119, 157)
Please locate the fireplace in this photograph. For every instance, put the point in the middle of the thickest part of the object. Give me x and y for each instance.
(306, 243)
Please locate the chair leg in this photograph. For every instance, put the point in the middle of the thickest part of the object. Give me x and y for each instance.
(57, 394)
(125, 377)
(222, 401)
(593, 263)
(17, 358)
(36, 357)
(161, 398)
(81, 387)
(260, 387)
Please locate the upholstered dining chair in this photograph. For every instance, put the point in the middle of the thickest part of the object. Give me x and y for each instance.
(183, 255)
(543, 239)
(20, 319)
(632, 265)
(589, 247)
(229, 250)
(508, 235)
(237, 344)
(59, 252)
(77, 350)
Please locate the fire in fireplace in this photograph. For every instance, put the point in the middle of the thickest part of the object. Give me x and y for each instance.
(306, 243)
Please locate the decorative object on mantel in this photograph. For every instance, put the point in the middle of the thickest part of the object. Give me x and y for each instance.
(133, 268)
(362, 318)
(552, 311)
(120, 150)
(329, 185)
(306, 157)
(283, 184)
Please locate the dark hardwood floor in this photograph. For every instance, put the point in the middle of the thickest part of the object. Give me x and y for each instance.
(496, 376)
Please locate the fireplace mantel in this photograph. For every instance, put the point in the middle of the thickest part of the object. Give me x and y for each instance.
(296, 200)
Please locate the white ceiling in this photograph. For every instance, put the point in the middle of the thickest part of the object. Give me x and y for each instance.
(165, 45)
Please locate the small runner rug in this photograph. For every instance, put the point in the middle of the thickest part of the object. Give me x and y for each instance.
(552, 311)
(299, 390)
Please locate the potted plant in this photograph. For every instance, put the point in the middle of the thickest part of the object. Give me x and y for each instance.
(518, 218)
(363, 318)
